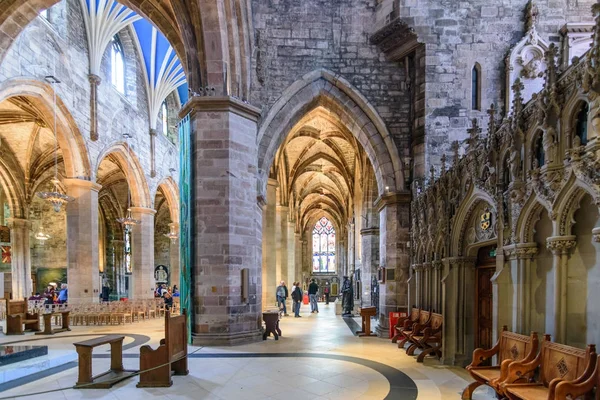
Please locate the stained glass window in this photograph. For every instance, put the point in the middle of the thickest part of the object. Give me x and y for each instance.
(323, 239)
(117, 64)
(127, 251)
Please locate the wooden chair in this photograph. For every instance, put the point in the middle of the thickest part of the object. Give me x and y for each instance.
(138, 312)
(428, 339)
(423, 322)
(577, 388)
(557, 363)
(172, 354)
(510, 347)
(19, 319)
(412, 318)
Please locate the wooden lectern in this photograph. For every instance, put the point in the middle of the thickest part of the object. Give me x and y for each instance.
(366, 313)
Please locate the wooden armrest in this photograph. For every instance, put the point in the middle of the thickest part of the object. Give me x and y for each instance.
(518, 369)
(578, 388)
(418, 328)
(480, 355)
(429, 332)
(407, 324)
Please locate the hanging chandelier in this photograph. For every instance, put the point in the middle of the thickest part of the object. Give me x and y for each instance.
(128, 221)
(172, 234)
(41, 235)
(55, 197)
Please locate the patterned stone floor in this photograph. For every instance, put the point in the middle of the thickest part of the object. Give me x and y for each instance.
(317, 357)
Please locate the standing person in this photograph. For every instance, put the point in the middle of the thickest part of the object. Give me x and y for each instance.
(347, 297)
(297, 297)
(63, 294)
(105, 292)
(168, 298)
(326, 293)
(282, 293)
(313, 289)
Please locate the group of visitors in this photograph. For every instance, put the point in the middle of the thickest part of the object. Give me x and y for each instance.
(53, 295)
(282, 294)
(167, 294)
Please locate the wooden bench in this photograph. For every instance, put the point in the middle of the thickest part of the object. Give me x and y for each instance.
(422, 323)
(510, 347)
(427, 338)
(412, 318)
(557, 363)
(575, 389)
(366, 313)
(170, 356)
(17, 316)
(107, 379)
(48, 323)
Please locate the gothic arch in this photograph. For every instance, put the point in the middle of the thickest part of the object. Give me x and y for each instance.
(322, 87)
(12, 182)
(528, 217)
(169, 189)
(70, 140)
(568, 202)
(462, 218)
(131, 167)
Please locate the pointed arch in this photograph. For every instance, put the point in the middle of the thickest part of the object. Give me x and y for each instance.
(568, 202)
(324, 88)
(132, 169)
(169, 189)
(462, 218)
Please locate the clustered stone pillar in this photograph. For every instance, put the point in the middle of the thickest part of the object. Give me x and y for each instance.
(370, 261)
(142, 254)
(269, 261)
(119, 267)
(291, 253)
(152, 153)
(524, 254)
(225, 220)
(393, 254)
(82, 241)
(21, 257)
(281, 244)
(174, 256)
(437, 288)
(561, 247)
(94, 83)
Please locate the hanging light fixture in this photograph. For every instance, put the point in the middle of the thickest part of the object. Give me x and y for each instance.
(55, 197)
(128, 221)
(41, 235)
(172, 233)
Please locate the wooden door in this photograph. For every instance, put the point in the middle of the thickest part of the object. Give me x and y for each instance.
(483, 306)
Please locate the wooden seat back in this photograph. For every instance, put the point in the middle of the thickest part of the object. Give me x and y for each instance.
(436, 322)
(424, 317)
(414, 314)
(514, 346)
(176, 335)
(562, 361)
(14, 307)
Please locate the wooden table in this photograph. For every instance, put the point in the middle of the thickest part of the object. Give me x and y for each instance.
(48, 323)
(272, 325)
(107, 379)
(366, 313)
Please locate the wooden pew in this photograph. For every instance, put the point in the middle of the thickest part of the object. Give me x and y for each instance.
(427, 338)
(557, 363)
(424, 317)
(577, 388)
(171, 354)
(17, 315)
(405, 323)
(510, 347)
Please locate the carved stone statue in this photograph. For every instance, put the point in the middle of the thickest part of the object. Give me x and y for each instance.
(347, 297)
(515, 162)
(549, 143)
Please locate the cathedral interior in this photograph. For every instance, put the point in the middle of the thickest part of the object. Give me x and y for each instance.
(418, 180)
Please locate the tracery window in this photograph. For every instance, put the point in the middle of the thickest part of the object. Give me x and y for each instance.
(476, 87)
(323, 239)
(117, 59)
(165, 116)
(581, 123)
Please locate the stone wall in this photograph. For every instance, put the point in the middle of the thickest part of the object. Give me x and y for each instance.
(293, 38)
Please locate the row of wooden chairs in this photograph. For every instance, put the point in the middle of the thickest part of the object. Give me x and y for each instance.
(557, 371)
(422, 330)
(118, 312)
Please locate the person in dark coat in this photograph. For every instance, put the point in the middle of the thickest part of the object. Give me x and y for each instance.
(297, 297)
(105, 293)
(313, 290)
(347, 297)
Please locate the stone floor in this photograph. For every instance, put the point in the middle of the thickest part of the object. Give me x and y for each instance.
(317, 357)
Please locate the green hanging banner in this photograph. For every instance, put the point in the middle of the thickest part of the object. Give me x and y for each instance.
(185, 218)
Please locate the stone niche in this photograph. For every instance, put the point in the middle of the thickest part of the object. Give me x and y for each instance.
(576, 39)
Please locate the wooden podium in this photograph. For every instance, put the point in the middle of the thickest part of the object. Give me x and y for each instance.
(366, 313)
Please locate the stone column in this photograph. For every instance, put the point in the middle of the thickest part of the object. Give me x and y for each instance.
(118, 288)
(393, 254)
(298, 256)
(2, 200)
(291, 253)
(281, 218)
(153, 152)
(370, 261)
(437, 287)
(94, 82)
(142, 254)
(21, 258)
(82, 241)
(418, 287)
(269, 247)
(524, 253)
(225, 220)
(560, 246)
(174, 256)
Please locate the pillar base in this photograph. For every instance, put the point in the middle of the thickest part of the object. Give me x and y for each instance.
(382, 331)
(226, 339)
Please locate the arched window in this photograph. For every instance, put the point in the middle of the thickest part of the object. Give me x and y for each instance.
(117, 60)
(581, 123)
(323, 238)
(538, 150)
(476, 87)
(164, 116)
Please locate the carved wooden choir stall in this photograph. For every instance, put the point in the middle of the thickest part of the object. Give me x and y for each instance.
(18, 319)
(405, 322)
(170, 357)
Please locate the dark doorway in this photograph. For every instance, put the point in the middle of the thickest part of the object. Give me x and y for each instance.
(484, 297)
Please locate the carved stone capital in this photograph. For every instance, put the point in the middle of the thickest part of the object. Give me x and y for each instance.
(561, 244)
(438, 265)
(526, 250)
(94, 79)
